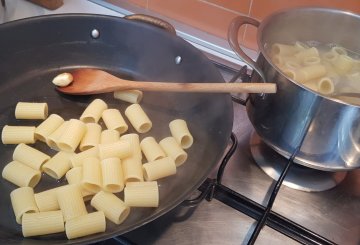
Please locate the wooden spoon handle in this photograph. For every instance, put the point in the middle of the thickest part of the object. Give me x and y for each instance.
(204, 87)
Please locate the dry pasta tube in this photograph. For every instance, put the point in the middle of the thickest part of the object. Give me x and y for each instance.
(28, 110)
(138, 118)
(77, 159)
(144, 195)
(131, 96)
(159, 169)
(278, 60)
(20, 174)
(114, 120)
(109, 136)
(134, 141)
(93, 111)
(112, 175)
(283, 49)
(85, 225)
(71, 202)
(53, 139)
(151, 149)
(18, 134)
(36, 224)
(48, 126)
(30, 156)
(72, 136)
(74, 177)
(91, 174)
(91, 137)
(58, 165)
(113, 207)
(180, 131)
(132, 169)
(120, 149)
(47, 200)
(172, 149)
(23, 201)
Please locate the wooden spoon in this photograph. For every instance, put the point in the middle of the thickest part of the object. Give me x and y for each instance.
(93, 81)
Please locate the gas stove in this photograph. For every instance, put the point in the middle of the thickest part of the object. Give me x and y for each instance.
(240, 203)
(254, 195)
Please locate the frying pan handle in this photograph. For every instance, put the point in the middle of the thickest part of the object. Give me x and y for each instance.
(153, 21)
(233, 33)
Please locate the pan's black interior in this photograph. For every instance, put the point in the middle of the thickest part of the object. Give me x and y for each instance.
(34, 50)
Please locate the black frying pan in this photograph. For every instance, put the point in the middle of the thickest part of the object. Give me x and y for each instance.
(33, 51)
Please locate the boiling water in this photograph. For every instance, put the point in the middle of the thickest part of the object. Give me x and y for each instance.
(342, 68)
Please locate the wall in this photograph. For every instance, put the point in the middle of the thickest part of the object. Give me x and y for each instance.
(214, 16)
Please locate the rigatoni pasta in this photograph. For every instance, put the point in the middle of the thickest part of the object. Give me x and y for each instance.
(47, 200)
(58, 165)
(44, 223)
(71, 202)
(151, 149)
(72, 136)
(120, 149)
(172, 149)
(53, 139)
(91, 137)
(132, 169)
(85, 225)
(112, 175)
(114, 120)
(109, 136)
(159, 169)
(21, 175)
(131, 96)
(23, 201)
(107, 164)
(138, 118)
(134, 141)
(30, 156)
(31, 110)
(48, 126)
(74, 177)
(180, 131)
(141, 194)
(91, 174)
(78, 159)
(113, 207)
(18, 134)
(93, 111)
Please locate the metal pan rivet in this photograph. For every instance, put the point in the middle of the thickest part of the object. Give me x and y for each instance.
(95, 34)
(177, 60)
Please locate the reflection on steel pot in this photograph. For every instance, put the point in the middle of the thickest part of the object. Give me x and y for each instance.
(326, 130)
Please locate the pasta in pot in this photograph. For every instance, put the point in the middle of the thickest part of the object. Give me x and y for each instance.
(323, 68)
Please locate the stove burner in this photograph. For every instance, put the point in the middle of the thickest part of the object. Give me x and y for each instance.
(299, 177)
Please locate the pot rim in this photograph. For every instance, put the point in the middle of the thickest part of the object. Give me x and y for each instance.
(265, 22)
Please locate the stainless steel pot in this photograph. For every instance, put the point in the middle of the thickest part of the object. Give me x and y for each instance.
(322, 133)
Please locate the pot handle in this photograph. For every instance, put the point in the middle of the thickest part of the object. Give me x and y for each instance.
(153, 21)
(233, 32)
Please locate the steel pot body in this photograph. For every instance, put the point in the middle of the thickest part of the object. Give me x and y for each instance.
(321, 132)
